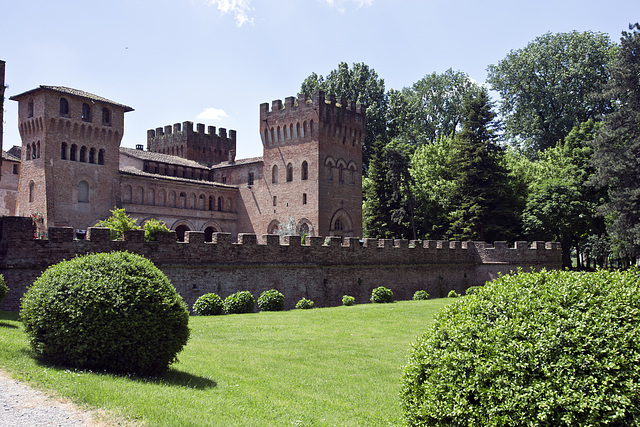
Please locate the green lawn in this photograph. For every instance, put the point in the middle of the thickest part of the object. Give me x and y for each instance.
(322, 367)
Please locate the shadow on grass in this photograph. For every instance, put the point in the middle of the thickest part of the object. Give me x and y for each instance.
(7, 325)
(12, 316)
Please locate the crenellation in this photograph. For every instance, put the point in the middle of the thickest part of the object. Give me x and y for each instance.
(194, 237)
(247, 239)
(168, 130)
(98, 234)
(315, 241)
(222, 239)
(333, 241)
(401, 243)
(133, 236)
(386, 243)
(200, 127)
(271, 239)
(60, 234)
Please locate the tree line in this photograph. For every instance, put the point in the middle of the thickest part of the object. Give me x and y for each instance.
(555, 157)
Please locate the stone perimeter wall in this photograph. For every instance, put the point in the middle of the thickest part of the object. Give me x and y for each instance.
(322, 272)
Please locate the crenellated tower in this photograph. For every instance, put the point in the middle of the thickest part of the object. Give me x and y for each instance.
(70, 155)
(181, 140)
(313, 162)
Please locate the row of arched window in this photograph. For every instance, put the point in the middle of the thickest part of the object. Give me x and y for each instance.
(86, 112)
(285, 133)
(304, 172)
(345, 171)
(168, 169)
(33, 151)
(176, 199)
(81, 154)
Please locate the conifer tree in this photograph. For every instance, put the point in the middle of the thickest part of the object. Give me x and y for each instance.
(484, 207)
(376, 194)
(617, 148)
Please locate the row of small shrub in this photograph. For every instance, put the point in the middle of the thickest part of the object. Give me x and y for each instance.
(243, 302)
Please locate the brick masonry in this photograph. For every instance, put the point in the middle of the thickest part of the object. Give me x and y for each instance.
(321, 270)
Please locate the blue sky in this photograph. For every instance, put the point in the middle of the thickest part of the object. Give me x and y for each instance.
(216, 61)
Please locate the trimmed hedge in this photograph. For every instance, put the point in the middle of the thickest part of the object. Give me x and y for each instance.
(209, 305)
(348, 300)
(240, 302)
(420, 295)
(304, 304)
(381, 295)
(452, 294)
(4, 289)
(531, 349)
(109, 311)
(271, 300)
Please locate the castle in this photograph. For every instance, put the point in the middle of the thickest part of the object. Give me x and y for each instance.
(72, 170)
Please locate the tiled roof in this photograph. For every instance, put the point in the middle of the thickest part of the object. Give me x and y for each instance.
(237, 162)
(163, 158)
(130, 170)
(9, 157)
(75, 92)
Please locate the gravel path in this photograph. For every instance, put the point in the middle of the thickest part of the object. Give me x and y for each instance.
(24, 406)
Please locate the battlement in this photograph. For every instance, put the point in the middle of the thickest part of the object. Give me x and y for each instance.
(317, 100)
(187, 127)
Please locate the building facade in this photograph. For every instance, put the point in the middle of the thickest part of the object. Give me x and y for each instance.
(73, 172)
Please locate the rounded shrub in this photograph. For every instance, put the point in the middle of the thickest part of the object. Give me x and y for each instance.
(420, 295)
(471, 290)
(548, 348)
(304, 304)
(240, 302)
(4, 289)
(209, 305)
(271, 300)
(381, 295)
(109, 311)
(452, 294)
(348, 300)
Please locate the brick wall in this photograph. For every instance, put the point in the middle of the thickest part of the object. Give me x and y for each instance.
(322, 272)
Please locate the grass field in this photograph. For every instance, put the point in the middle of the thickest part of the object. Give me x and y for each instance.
(323, 367)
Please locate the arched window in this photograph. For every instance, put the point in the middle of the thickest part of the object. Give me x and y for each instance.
(289, 172)
(83, 192)
(140, 195)
(250, 180)
(32, 187)
(63, 151)
(106, 116)
(28, 157)
(297, 130)
(192, 201)
(181, 231)
(72, 153)
(92, 155)
(83, 154)
(329, 165)
(86, 112)
(311, 128)
(304, 229)
(183, 200)
(101, 157)
(126, 194)
(30, 108)
(208, 233)
(37, 150)
(338, 225)
(211, 203)
(64, 107)
(201, 202)
(220, 204)
(352, 174)
(304, 171)
(274, 174)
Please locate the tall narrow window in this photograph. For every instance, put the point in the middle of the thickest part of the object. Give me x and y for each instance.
(289, 172)
(92, 155)
(220, 204)
(274, 174)
(37, 150)
(30, 108)
(211, 203)
(64, 107)
(101, 157)
(250, 180)
(73, 152)
(106, 117)
(83, 192)
(305, 171)
(63, 151)
(28, 152)
(86, 112)
(275, 200)
(304, 198)
(83, 154)
(32, 186)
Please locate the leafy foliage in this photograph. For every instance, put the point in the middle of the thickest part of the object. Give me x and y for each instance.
(548, 348)
(118, 223)
(381, 295)
(452, 294)
(271, 300)
(240, 302)
(420, 295)
(209, 305)
(152, 227)
(348, 300)
(109, 311)
(548, 87)
(304, 304)
(4, 289)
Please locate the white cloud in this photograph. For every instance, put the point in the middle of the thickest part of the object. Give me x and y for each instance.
(241, 9)
(212, 114)
(340, 4)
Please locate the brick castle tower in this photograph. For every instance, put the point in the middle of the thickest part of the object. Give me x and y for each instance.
(70, 149)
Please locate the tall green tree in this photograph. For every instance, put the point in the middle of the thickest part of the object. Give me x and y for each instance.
(376, 215)
(617, 147)
(360, 83)
(483, 201)
(550, 86)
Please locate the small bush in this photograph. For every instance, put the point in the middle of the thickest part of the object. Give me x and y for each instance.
(271, 300)
(381, 295)
(472, 290)
(452, 294)
(420, 295)
(240, 302)
(209, 305)
(550, 348)
(348, 300)
(4, 289)
(109, 311)
(304, 304)
(118, 223)
(152, 228)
